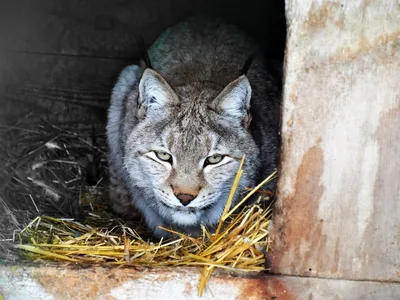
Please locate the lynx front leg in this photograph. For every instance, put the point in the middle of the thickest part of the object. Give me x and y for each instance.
(119, 196)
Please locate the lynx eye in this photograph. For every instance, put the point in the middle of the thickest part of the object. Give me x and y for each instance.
(164, 156)
(214, 159)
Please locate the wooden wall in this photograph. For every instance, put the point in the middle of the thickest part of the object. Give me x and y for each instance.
(338, 209)
(66, 54)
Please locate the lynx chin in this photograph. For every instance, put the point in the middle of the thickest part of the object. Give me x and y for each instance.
(178, 129)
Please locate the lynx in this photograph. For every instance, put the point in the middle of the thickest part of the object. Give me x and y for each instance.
(178, 130)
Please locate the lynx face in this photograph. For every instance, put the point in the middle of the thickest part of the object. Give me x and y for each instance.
(184, 153)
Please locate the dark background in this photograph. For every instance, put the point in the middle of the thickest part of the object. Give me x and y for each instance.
(59, 59)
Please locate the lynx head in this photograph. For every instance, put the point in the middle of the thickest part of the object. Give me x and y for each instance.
(185, 150)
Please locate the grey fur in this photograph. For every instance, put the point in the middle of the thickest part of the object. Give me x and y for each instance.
(192, 105)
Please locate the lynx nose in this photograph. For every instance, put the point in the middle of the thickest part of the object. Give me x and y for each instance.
(185, 199)
(185, 196)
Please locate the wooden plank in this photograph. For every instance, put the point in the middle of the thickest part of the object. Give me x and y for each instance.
(59, 88)
(105, 28)
(52, 282)
(339, 191)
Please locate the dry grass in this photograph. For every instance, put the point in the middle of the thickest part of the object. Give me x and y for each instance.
(45, 170)
(238, 244)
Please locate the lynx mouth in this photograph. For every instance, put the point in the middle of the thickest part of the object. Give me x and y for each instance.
(187, 209)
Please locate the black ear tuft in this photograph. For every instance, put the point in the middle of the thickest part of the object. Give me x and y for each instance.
(144, 53)
(248, 63)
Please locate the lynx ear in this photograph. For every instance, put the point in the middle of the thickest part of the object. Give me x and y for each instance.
(234, 100)
(155, 95)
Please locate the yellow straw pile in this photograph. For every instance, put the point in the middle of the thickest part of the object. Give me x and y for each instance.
(239, 243)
